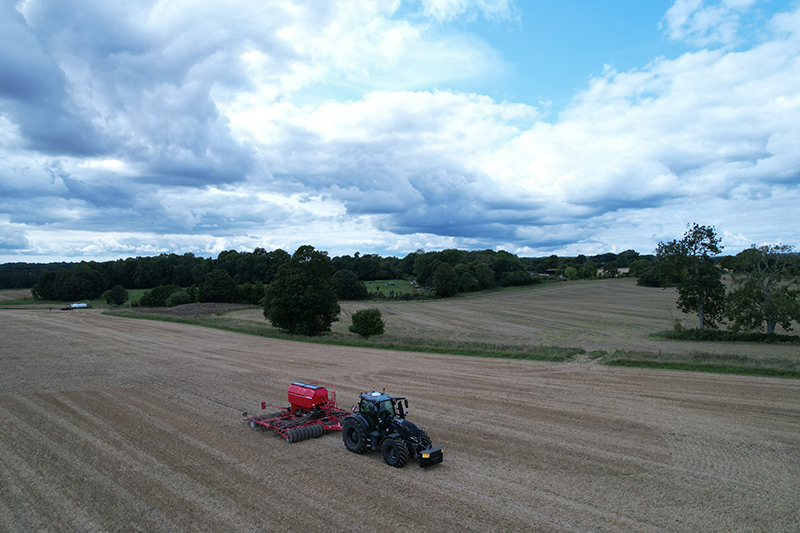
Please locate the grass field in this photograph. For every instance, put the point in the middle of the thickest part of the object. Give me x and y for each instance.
(390, 287)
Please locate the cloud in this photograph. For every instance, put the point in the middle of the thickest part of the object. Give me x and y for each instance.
(139, 86)
(34, 93)
(704, 23)
(196, 126)
(709, 124)
(445, 10)
(11, 238)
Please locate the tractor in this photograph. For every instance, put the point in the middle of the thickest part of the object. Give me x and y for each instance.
(378, 424)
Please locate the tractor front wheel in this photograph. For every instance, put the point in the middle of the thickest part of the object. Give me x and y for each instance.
(425, 439)
(354, 435)
(395, 452)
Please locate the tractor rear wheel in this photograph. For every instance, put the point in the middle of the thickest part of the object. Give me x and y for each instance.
(395, 452)
(354, 435)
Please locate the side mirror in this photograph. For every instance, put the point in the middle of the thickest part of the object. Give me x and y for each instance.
(406, 404)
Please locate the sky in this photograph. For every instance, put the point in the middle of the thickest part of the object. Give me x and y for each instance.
(140, 127)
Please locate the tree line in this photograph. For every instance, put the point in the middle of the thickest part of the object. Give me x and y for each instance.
(764, 290)
(242, 277)
(485, 269)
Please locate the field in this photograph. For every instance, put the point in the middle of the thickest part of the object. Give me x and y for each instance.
(7, 295)
(596, 316)
(113, 424)
(390, 287)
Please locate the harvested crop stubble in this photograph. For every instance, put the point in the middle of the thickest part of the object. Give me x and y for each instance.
(112, 424)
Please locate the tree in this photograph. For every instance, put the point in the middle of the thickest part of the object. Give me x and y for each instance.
(117, 295)
(589, 269)
(157, 296)
(611, 269)
(571, 273)
(367, 322)
(302, 297)
(219, 286)
(690, 263)
(640, 267)
(349, 287)
(624, 259)
(483, 274)
(765, 289)
(46, 288)
(445, 281)
(76, 288)
(466, 280)
(251, 293)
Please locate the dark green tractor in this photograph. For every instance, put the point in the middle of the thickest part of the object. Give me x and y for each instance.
(379, 424)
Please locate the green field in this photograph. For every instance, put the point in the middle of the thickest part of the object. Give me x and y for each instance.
(390, 287)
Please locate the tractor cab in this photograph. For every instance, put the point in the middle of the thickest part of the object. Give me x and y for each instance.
(379, 408)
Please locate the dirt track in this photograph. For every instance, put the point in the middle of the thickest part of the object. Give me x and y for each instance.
(111, 424)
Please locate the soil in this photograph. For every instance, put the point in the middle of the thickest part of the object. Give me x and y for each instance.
(113, 424)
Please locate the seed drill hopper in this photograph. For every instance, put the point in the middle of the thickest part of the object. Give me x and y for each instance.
(312, 411)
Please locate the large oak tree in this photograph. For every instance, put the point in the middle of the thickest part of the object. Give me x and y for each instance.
(302, 297)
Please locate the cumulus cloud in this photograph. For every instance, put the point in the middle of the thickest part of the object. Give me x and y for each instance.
(444, 10)
(709, 124)
(199, 126)
(705, 23)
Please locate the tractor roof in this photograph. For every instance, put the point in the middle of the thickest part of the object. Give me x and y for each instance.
(375, 396)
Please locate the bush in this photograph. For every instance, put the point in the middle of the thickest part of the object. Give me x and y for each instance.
(116, 295)
(157, 297)
(178, 298)
(367, 322)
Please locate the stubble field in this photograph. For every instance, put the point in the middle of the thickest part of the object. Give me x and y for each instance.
(113, 424)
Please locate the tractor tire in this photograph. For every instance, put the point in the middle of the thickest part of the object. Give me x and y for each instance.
(395, 452)
(354, 435)
(425, 439)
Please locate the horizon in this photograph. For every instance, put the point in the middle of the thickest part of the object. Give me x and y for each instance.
(202, 126)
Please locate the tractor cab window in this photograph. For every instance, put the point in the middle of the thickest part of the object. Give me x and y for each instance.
(386, 406)
(367, 407)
